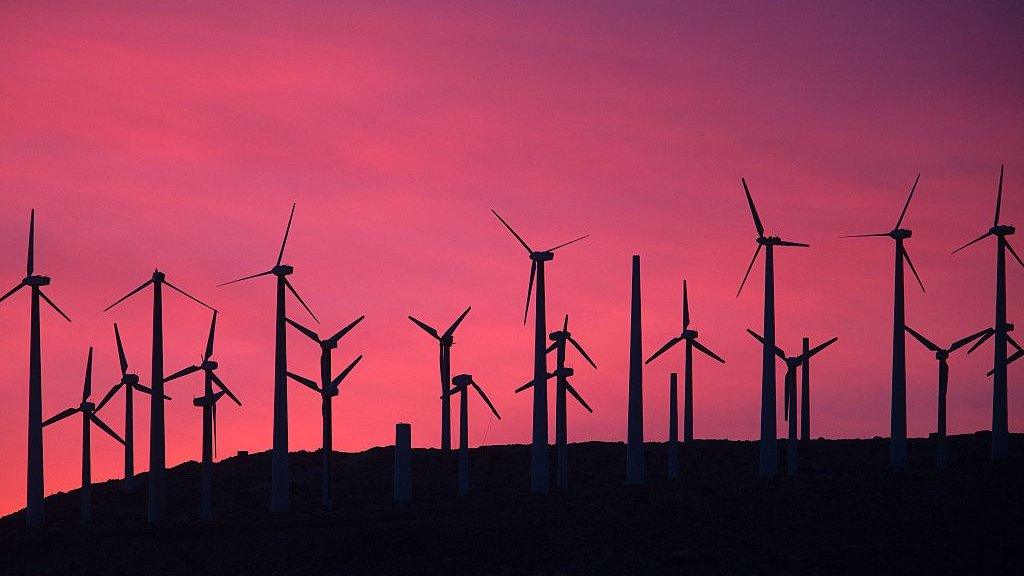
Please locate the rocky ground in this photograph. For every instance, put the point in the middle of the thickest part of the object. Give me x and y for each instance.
(845, 513)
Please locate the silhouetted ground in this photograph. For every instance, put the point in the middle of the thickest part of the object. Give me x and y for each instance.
(846, 514)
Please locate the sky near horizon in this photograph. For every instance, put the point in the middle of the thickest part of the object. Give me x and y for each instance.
(177, 136)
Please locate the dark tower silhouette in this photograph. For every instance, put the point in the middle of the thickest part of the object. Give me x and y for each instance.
(129, 382)
(403, 463)
(789, 393)
(561, 374)
(942, 355)
(445, 342)
(635, 416)
(769, 442)
(690, 337)
(1000, 430)
(539, 465)
(89, 418)
(898, 411)
(208, 402)
(673, 426)
(461, 384)
(279, 483)
(35, 515)
(328, 388)
(157, 464)
(805, 392)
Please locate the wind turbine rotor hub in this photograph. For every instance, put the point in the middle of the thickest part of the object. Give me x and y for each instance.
(900, 234)
(209, 365)
(158, 276)
(942, 354)
(87, 406)
(793, 361)
(461, 381)
(564, 372)
(447, 340)
(559, 335)
(1002, 230)
(36, 281)
(130, 379)
(1008, 327)
(542, 256)
(328, 344)
(689, 335)
(282, 270)
(769, 240)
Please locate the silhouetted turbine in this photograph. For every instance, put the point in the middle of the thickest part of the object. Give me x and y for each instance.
(461, 383)
(540, 474)
(942, 355)
(560, 340)
(279, 493)
(789, 393)
(690, 337)
(157, 496)
(35, 515)
(898, 406)
(445, 342)
(328, 389)
(768, 457)
(89, 418)
(208, 402)
(1000, 430)
(129, 382)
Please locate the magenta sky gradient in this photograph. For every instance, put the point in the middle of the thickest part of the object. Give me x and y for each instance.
(178, 137)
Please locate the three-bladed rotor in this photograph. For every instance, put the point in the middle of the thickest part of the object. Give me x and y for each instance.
(31, 279)
(86, 407)
(761, 240)
(685, 335)
(462, 382)
(128, 380)
(1000, 231)
(792, 363)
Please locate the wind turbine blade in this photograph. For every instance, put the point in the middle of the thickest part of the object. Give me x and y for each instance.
(32, 241)
(582, 352)
(182, 372)
(103, 426)
(209, 339)
(120, 351)
(250, 277)
(341, 333)
(60, 416)
(978, 239)
(428, 329)
(672, 342)
(686, 308)
(964, 341)
(552, 348)
(288, 229)
(988, 334)
(926, 342)
(108, 396)
(12, 291)
(87, 386)
(569, 242)
(187, 295)
(788, 243)
(778, 351)
(129, 295)
(518, 237)
(753, 210)
(1014, 343)
(565, 324)
(999, 196)
(304, 381)
(54, 306)
(529, 290)
(455, 325)
(705, 350)
(220, 384)
(344, 373)
(291, 289)
(906, 256)
(907, 205)
(147, 390)
(749, 268)
(524, 387)
(1012, 251)
(576, 395)
(480, 391)
(1009, 360)
(865, 235)
(821, 347)
(305, 331)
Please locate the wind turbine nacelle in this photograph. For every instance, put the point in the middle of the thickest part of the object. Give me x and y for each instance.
(37, 281)
(209, 365)
(769, 240)
(282, 270)
(447, 340)
(130, 379)
(1008, 327)
(333, 392)
(200, 401)
(86, 406)
(328, 344)
(462, 380)
(1002, 230)
(559, 335)
(564, 372)
(901, 234)
(158, 276)
(942, 355)
(689, 334)
(542, 256)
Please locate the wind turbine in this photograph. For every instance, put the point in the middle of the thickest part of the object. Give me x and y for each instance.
(690, 337)
(129, 382)
(157, 496)
(34, 510)
(89, 418)
(445, 342)
(328, 389)
(942, 355)
(539, 465)
(1000, 431)
(768, 458)
(208, 402)
(461, 384)
(898, 409)
(279, 494)
(792, 363)
(560, 340)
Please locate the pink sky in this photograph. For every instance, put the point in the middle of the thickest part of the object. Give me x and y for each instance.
(178, 137)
